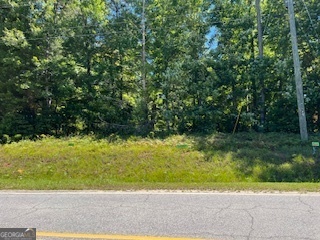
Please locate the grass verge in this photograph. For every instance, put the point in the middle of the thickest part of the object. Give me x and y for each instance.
(220, 162)
(6, 184)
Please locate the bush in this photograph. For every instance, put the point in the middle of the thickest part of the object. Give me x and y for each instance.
(17, 138)
(5, 139)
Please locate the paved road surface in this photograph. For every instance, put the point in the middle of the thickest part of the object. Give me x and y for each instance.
(135, 215)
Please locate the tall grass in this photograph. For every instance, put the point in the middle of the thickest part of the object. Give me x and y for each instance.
(91, 163)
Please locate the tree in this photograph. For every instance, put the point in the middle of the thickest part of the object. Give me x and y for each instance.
(176, 44)
(121, 66)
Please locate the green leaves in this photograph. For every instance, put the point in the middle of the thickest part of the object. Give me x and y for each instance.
(71, 66)
(14, 38)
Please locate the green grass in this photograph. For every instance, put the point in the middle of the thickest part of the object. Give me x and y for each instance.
(271, 162)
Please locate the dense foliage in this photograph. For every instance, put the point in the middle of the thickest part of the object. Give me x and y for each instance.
(83, 66)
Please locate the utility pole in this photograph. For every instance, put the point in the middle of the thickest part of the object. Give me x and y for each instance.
(261, 76)
(297, 74)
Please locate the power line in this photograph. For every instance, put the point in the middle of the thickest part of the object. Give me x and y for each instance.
(165, 17)
(110, 25)
(107, 30)
(8, 6)
(309, 15)
(307, 37)
(103, 29)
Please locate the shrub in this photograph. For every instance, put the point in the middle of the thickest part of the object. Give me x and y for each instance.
(17, 138)
(5, 139)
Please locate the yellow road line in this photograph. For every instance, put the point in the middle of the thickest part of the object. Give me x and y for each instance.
(107, 237)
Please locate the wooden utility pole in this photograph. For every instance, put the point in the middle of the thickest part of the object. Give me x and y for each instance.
(261, 76)
(297, 74)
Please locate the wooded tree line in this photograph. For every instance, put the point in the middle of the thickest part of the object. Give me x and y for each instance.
(154, 66)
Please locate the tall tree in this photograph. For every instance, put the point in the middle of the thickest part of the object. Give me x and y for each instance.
(236, 52)
(176, 44)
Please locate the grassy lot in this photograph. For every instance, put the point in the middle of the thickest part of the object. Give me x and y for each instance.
(271, 162)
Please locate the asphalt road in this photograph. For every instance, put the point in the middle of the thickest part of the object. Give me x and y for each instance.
(137, 215)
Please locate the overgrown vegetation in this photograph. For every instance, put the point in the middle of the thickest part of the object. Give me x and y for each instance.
(196, 162)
